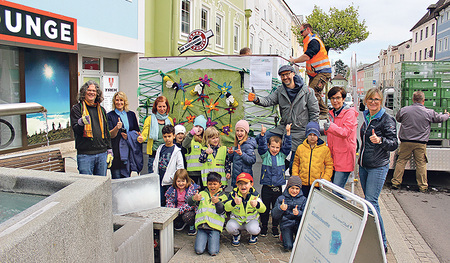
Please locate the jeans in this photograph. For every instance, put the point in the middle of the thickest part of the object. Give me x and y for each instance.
(151, 158)
(210, 237)
(94, 164)
(115, 174)
(162, 190)
(287, 234)
(340, 179)
(372, 181)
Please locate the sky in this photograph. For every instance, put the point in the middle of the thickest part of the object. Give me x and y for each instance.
(388, 21)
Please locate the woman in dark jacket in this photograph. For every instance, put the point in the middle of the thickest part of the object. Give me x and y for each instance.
(120, 121)
(379, 137)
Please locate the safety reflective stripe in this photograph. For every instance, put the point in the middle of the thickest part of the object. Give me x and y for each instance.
(320, 62)
(193, 164)
(206, 209)
(212, 166)
(205, 218)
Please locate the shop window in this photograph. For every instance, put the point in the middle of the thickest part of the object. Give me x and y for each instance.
(91, 63)
(111, 65)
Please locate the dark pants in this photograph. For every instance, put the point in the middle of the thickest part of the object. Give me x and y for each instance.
(287, 234)
(163, 189)
(269, 195)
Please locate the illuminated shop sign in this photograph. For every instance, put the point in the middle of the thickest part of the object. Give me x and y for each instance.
(24, 24)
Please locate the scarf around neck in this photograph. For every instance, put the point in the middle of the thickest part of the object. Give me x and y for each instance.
(154, 130)
(88, 127)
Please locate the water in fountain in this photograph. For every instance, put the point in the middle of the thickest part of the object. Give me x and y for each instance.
(13, 203)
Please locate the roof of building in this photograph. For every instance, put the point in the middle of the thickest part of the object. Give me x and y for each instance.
(339, 77)
(430, 13)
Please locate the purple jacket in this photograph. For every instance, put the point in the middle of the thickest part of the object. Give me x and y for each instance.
(171, 198)
(416, 122)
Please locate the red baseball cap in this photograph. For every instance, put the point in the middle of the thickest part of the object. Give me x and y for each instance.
(246, 177)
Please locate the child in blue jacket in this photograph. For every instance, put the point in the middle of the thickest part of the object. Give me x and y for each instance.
(273, 155)
(289, 208)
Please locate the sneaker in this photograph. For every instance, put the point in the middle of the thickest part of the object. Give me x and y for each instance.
(395, 187)
(275, 232)
(179, 225)
(253, 239)
(236, 240)
(192, 231)
(263, 231)
(424, 190)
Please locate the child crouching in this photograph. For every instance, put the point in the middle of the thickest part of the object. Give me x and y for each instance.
(245, 205)
(177, 196)
(210, 215)
(289, 209)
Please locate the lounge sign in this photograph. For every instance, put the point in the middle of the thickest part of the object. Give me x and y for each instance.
(24, 24)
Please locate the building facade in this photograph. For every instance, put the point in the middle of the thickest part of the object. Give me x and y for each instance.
(339, 81)
(443, 32)
(387, 60)
(50, 48)
(169, 25)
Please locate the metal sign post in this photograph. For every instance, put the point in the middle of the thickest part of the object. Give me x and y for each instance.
(334, 230)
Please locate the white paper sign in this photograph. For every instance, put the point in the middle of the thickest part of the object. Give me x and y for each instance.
(110, 87)
(261, 73)
(329, 232)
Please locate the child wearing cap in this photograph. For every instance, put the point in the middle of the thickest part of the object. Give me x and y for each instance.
(243, 154)
(210, 215)
(273, 155)
(289, 210)
(312, 159)
(193, 145)
(245, 206)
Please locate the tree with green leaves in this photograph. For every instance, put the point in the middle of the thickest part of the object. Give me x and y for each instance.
(340, 68)
(338, 29)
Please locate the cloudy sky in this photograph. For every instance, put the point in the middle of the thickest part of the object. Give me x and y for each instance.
(388, 22)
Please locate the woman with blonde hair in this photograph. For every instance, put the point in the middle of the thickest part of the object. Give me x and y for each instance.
(121, 122)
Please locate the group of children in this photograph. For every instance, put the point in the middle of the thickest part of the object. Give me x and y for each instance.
(198, 190)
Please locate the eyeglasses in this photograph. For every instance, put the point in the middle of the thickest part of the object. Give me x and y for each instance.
(335, 98)
(303, 30)
(374, 100)
(285, 75)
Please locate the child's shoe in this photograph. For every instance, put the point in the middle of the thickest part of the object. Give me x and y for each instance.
(263, 231)
(236, 240)
(275, 232)
(192, 231)
(253, 239)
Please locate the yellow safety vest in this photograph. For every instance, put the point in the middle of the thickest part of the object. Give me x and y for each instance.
(244, 214)
(206, 212)
(192, 162)
(215, 164)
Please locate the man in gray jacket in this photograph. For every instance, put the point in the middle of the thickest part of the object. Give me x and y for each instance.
(414, 134)
(297, 104)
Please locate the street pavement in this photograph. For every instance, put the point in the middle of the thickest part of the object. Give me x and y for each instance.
(405, 243)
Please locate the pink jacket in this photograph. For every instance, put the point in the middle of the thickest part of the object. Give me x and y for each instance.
(341, 138)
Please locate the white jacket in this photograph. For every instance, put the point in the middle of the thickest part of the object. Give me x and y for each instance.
(175, 163)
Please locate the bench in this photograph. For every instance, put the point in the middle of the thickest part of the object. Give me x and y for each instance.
(45, 160)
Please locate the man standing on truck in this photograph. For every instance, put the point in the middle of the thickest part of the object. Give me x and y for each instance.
(318, 66)
(414, 134)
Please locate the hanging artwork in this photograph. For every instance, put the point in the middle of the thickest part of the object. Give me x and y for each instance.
(214, 94)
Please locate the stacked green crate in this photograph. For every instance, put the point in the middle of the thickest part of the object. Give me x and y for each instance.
(429, 86)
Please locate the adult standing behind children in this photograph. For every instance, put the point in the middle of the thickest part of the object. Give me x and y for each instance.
(297, 103)
(122, 123)
(312, 159)
(379, 136)
(90, 127)
(318, 65)
(341, 135)
(153, 125)
(273, 155)
(414, 134)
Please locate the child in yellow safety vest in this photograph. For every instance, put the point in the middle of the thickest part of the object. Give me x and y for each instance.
(214, 158)
(210, 215)
(245, 206)
(193, 145)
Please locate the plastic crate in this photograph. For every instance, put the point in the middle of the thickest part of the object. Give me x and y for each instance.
(438, 133)
(425, 83)
(445, 102)
(445, 92)
(432, 102)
